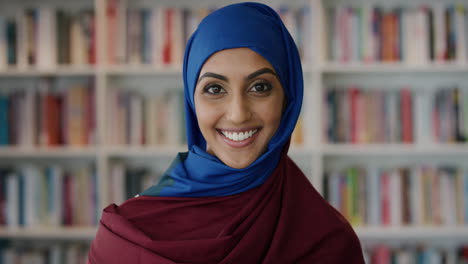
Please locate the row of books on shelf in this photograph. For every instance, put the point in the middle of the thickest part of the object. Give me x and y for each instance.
(139, 119)
(384, 254)
(157, 35)
(413, 195)
(47, 115)
(357, 115)
(429, 33)
(34, 196)
(45, 37)
(56, 253)
(126, 182)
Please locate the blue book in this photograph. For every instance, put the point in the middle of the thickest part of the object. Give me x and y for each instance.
(22, 198)
(4, 127)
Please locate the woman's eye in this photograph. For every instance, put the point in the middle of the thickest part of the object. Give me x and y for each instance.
(261, 87)
(214, 89)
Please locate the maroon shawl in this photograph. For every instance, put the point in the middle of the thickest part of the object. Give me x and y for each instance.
(285, 220)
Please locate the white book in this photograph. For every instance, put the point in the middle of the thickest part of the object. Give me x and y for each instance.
(77, 42)
(21, 41)
(31, 175)
(440, 32)
(460, 33)
(416, 196)
(12, 200)
(46, 34)
(3, 44)
(395, 201)
(423, 47)
(118, 191)
(409, 34)
(157, 27)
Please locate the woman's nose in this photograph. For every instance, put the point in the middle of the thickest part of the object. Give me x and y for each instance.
(239, 109)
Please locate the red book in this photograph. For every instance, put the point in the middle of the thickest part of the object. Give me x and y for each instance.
(168, 36)
(406, 115)
(354, 96)
(111, 30)
(382, 255)
(385, 197)
(92, 48)
(52, 120)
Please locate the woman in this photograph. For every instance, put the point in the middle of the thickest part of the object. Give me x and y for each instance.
(235, 197)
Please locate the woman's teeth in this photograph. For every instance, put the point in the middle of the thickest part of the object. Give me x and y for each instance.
(234, 136)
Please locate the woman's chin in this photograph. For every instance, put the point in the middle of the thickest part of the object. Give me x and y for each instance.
(238, 163)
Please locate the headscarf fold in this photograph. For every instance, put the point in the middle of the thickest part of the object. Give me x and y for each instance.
(197, 173)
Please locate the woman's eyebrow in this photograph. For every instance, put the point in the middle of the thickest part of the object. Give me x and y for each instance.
(260, 72)
(249, 77)
(213, 75)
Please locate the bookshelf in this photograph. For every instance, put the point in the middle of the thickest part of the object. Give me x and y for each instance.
(315, 154)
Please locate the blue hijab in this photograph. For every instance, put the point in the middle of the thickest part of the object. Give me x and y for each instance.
(245, 25)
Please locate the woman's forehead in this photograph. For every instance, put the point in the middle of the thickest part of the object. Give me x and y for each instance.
(238, 59)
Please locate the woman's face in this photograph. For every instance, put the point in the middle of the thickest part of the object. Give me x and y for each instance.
(238, 101)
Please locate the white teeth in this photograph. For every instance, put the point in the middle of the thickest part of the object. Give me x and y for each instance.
(239, 136)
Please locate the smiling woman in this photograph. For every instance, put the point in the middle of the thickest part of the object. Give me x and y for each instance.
(236, 101)
(235, 196)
